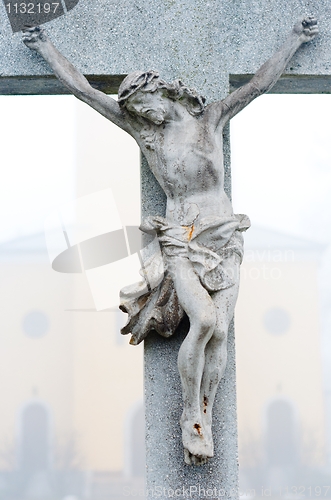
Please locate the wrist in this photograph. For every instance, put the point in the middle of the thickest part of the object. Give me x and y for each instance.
(297, 39)
(43, 47)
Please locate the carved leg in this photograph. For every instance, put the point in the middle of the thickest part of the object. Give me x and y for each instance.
(216, 349)
(200, 310)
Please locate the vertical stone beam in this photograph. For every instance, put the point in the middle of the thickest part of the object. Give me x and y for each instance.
(166, 469)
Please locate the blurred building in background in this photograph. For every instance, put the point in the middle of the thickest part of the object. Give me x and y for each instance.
(281, 403)
(71, 387)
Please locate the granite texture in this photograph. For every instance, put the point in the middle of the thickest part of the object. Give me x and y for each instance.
(207, 42)
(203, 43)
(166, 470)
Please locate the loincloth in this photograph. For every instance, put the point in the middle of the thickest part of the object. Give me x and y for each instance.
(152, 304)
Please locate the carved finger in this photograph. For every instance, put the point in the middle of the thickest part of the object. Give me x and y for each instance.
(309, 21)
(29, 29)
(33, 30)
(310, 33)
(29, 37)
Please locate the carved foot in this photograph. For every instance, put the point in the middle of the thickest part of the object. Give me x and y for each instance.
(207, 428)
(198, 445)
(194, 459)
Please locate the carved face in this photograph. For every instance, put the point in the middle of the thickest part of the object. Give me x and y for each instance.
(150, 105)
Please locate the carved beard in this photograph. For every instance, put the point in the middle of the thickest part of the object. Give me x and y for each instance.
(155, 115)
(148, 136)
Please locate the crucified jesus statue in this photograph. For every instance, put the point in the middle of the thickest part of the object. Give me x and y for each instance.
(200, 237)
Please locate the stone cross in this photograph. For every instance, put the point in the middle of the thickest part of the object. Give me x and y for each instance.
(212, 47)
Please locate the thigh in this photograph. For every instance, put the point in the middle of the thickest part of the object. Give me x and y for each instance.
(192, 296)
(225, 300)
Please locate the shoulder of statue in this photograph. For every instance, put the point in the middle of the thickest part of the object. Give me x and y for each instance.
(214, 112)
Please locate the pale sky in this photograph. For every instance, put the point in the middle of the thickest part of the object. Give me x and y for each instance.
(37, 158)
(281, 162)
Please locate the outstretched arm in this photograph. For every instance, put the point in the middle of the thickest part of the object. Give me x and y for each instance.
(36, 39)
(266, 77)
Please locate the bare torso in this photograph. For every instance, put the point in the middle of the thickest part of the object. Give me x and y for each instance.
(186, 158)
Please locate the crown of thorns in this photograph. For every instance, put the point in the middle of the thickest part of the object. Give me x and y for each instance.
(136, 81)
(150, 81)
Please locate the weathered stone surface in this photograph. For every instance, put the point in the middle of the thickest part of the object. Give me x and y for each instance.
(207, 42)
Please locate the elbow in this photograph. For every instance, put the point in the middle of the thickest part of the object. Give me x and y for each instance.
(257, 88)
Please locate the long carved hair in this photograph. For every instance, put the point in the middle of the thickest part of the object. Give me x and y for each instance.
(150, 81)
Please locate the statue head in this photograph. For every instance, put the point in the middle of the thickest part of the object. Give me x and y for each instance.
(150, 81)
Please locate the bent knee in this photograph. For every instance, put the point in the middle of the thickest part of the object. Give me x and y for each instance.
(220, 336)
(218, 342)
(207, 320)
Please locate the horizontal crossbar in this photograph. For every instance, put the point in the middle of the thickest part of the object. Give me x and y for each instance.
(49, 85)
(290, 84)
